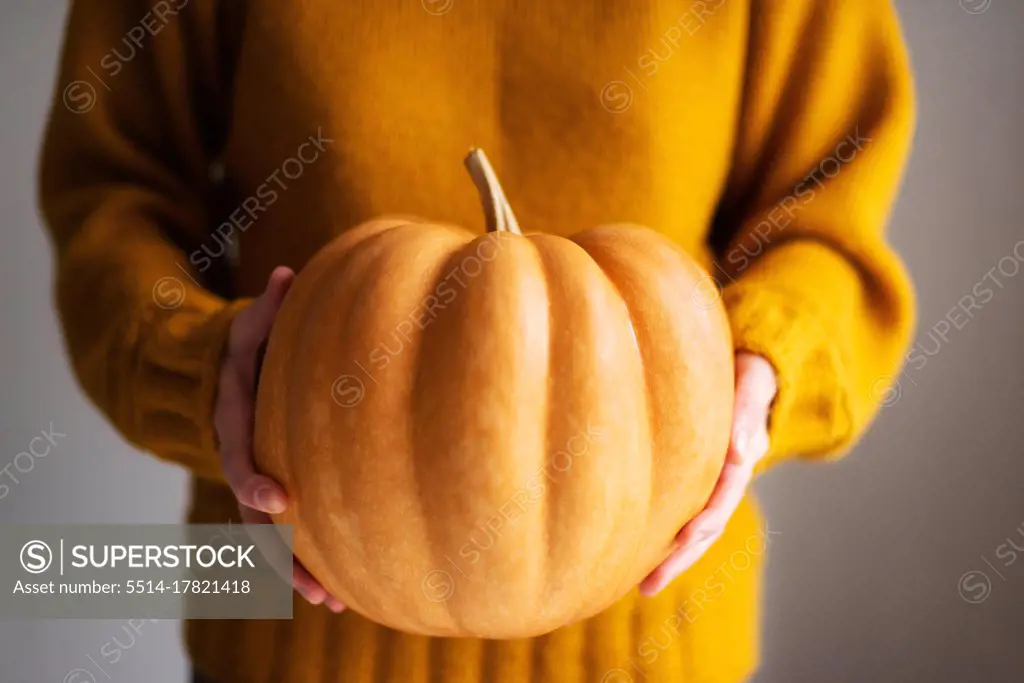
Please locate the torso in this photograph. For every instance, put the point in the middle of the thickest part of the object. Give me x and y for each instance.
(592, 112)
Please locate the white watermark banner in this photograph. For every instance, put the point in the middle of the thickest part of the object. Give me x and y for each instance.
(155, 571)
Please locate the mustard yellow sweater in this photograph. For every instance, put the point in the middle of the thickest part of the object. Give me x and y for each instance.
(194, 145)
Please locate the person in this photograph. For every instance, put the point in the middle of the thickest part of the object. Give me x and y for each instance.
(198, 153)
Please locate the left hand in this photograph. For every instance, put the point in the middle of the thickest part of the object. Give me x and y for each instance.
(755, 391)
(258, 495)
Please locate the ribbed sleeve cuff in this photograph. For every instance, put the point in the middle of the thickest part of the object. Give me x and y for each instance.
(175, 381)
(810, 407)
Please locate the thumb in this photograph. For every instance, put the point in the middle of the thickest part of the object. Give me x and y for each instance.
(755, 390)
(252, 326)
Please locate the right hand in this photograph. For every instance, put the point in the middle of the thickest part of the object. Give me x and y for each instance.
(258, 496)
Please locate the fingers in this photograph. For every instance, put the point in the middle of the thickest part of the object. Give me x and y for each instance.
(234, 415)
(755, 390)
(307, 586)
(252, 490)
(266, 306)
(677, 563)
(234, 426)
(258, 495)
(266, 536)
(334, 605)
(262, 493)
(252, 325)
(703, 530)
(280, 558)
(729, 491)
(312, 591)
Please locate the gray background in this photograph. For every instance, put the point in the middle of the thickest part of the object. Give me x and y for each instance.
(863, 581)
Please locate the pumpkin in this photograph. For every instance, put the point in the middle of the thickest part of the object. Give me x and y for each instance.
(492, 435)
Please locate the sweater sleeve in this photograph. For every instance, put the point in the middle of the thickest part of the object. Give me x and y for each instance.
(123, 187)
(810, 282)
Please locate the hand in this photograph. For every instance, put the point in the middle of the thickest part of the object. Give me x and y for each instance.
(257, 494)
(755, 390)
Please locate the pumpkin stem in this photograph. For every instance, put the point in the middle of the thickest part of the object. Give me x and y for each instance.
(496, 207)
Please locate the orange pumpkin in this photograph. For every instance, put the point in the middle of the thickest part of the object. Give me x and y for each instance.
(492, 435)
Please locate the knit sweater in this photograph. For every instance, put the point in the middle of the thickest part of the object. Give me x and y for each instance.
(194, 146)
